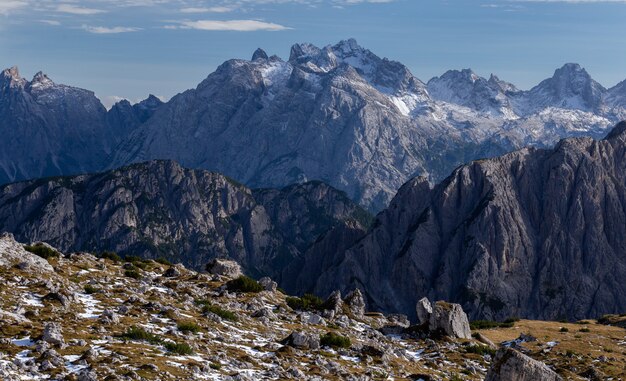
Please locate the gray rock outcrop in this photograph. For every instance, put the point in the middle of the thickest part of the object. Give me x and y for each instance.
(450, 319)
(303, 340)
(224, 267)
(512, 365)
(355, 302)
(423, 310)
(13, 253)
(52, 334)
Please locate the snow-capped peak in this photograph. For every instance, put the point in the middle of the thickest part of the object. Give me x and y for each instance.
(571, 87)
(41, 81)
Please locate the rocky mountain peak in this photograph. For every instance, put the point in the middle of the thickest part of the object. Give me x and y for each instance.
(571, 87)
(504, 86)
(11, 77)
(41, 80)
(259, 54)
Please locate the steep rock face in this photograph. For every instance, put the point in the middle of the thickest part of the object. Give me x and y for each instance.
(322, 115)
(535, 233)
(50, 129)
(161, 209)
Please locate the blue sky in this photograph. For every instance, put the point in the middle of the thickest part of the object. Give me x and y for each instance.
(130, 48)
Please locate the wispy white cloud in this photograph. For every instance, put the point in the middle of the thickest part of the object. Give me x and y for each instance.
(77, 10)
(207, 10)
(108, 30)
(8, 6)
(50, 22)
(229, 25)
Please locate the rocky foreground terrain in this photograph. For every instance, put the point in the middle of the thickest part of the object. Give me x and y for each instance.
(80, 317)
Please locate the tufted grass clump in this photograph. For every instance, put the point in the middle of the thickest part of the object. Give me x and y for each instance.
(188, 327)
(219, 311)
(308, 302)
(244, 284)
(110, 255)
(42, 251)
(132, 273)
(139, 334)
(480, 350)
(178, 348)
(335, 341)
(90, 289)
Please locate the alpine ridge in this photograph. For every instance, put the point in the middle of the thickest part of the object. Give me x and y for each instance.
(160, 209)
(537, 233)
(339, 114)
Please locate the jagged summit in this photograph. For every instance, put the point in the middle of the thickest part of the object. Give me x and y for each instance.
(259, 54)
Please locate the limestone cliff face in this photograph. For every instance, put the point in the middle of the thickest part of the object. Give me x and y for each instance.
(535, 233)
(161, 209)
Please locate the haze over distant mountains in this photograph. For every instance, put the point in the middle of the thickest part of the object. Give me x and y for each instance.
(339, 114)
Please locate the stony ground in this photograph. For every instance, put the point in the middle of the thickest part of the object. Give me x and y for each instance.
(100, 319)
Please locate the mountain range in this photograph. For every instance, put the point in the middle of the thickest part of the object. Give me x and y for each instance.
(536, 233)
(339, 114)
(159, 209)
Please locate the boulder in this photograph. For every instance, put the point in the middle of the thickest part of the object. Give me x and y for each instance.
(334, 303)
(12, 253)
(302, 340)
(512, 365)
(224, 267)
(424, 309)
(356, 303)
(52, 334)
(268, 284)
(451, 320)
(175, 271)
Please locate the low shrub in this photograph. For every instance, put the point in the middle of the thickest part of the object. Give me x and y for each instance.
(163, 261)
(335, 341)
(132, 258)
(178, 348)
(90, 289)
(188, 327)
(480, 350)
(564, 329)
(244, 284)
(215, 366)
(140, 334)
(585, 330)
(132, 273)
(306, 303)
(489, 324)
(42, 251)
(224, 314)
(110, 255)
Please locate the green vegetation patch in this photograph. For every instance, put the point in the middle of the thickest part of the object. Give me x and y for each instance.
(178, 348)
(42, 251)
(188, 327)
(244, 284)
(335, 341)
(139, 334)
(308, 302)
